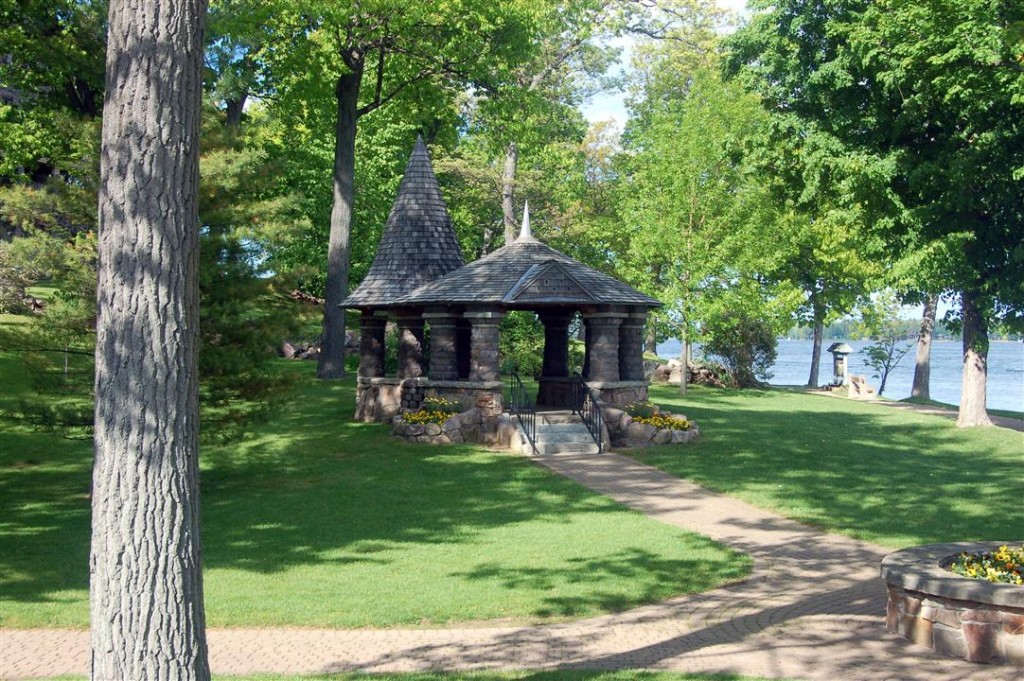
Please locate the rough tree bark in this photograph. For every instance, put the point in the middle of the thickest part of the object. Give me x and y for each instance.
(684, 358)
(975, 374)
(923, 361)
(819, 331)
(146, 590)
(508, 192)
(331, 363)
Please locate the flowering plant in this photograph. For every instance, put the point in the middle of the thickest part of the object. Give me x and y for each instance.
(664, 421)
(433, 410)
(1003, 566)
(641, 410)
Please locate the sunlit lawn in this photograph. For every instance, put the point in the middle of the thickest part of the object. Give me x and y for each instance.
(314, 520)
(869, 471)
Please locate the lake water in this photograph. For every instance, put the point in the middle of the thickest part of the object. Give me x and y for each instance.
(1005, 369)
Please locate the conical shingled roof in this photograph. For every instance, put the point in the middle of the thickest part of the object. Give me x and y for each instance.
(528, 274)
(418, 245)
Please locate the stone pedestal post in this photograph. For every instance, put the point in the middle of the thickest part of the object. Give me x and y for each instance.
(631, 347)
(483, 359)
(603, 343)
(556, 344)
(443, 364)
(410, 345)
(554, 389)
(371, 345)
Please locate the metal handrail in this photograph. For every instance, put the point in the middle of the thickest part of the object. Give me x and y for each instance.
(523, 407)
(589, 410)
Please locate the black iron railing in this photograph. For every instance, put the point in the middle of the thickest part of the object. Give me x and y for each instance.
(523, 407)
(588, 409)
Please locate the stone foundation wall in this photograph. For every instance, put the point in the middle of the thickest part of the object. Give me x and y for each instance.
(619, 393)
(477, 422)
(971, 619)
(976, 632)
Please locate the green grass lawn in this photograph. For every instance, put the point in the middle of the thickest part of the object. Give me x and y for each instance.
(314, 520)
(893, 477)
(1019, 415)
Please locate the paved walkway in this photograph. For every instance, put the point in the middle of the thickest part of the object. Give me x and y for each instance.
(812, 609)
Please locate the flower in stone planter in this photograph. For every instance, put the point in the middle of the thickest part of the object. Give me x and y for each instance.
(1001, 566)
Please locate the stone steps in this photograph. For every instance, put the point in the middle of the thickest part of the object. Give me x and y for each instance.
(563, 433)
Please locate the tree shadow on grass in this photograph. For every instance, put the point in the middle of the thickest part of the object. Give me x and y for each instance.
(881, 475)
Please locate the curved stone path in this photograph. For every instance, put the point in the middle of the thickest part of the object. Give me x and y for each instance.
(813, 608)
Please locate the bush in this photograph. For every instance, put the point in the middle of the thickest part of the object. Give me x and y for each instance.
(744, 345)
(522, 344)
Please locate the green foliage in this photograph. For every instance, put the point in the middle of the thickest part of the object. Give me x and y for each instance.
(881, 321)
(522, 344)
(642, 409)
(745, 344)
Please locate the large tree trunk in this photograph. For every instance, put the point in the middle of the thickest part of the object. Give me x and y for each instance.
(508, 192)
(923, 367)
(331, 363)
(684, 358)
(819, 331)
(650, 339)
(975, 375)
(234, 108)
(146, 589)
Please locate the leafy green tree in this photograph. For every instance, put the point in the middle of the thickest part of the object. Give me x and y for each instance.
(744, 344)
(930, 98)
(391, 47)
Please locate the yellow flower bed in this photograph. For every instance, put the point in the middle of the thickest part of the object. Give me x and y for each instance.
(664, 422)
(434, 410)
(1004, 566)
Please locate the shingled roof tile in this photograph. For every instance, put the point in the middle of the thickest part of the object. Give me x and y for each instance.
(418, 245)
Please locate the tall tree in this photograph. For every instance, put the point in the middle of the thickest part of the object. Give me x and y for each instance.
(932, 96)
(921, 387)
(388, 47)
(146, 589)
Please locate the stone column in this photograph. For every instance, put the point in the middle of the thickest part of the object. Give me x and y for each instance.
(443, 355)
(371, 345)
(410, 344)
(556, 344)
(585, 371)
(463, 344)
(603, 342)
(631, 346)
(484, 351)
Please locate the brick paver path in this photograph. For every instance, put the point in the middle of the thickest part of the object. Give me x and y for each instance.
(812, 609)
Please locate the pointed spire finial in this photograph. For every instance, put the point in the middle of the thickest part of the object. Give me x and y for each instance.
(526, 232)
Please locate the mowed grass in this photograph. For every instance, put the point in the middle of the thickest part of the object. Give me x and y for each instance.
(314, 520)
(865, 470)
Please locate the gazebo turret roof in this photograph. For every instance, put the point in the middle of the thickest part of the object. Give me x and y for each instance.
(527, 274)
(418, 245)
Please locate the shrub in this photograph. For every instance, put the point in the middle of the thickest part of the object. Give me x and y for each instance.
(745, 345)
(522, 344)
(640, 410)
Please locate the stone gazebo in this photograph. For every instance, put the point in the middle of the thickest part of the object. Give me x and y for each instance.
(418, 280)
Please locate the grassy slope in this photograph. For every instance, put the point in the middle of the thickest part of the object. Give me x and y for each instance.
(315, 520)
(885, 475)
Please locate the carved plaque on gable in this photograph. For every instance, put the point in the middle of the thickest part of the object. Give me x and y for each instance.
(548, 282)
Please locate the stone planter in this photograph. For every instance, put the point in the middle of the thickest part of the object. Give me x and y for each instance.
(972, 619)
(623, 431)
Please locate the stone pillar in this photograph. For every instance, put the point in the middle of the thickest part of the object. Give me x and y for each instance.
(483, 359)
(631, 346)
(556, 344)
(585, 371)
(603, 342)
(554, 389)
(443, 350)
(410, 344)
(371, 345)
(463, 344)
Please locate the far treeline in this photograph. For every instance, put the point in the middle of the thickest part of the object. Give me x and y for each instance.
(813, 162)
